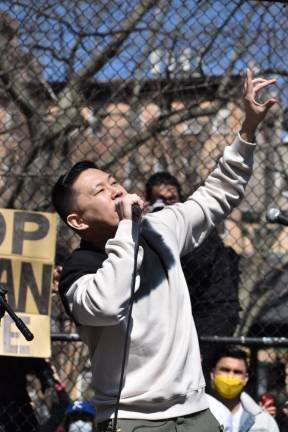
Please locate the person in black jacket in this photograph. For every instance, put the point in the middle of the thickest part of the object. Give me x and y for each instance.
(211, 271)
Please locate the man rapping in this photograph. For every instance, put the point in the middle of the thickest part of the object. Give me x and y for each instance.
(163, 387)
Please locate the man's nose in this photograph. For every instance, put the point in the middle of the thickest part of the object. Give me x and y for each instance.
(116, 192)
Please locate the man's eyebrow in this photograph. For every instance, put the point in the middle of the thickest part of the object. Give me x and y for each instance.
(235, 370)
(101, 183)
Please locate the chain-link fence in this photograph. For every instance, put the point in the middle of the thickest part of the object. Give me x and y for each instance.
(141, 87)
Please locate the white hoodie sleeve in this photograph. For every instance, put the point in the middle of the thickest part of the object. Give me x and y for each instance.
(103, 298)
(211, 203)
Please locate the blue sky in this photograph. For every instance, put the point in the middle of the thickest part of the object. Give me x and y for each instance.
(185, 24)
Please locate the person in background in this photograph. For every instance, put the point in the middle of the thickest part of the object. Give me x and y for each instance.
(211, 272)
(79, 417)
(229, 377)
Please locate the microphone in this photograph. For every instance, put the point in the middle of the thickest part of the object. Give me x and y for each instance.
(274, 215)
(136, 212)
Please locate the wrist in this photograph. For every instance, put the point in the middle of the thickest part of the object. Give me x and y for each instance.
(247, 131)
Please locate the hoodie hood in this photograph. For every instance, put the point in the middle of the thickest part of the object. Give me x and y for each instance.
(249, 404)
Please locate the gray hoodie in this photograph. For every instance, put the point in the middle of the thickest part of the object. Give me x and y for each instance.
(163, 375)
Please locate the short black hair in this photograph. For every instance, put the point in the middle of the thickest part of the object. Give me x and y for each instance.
(159, 178)
(230, 351)
(62, 190)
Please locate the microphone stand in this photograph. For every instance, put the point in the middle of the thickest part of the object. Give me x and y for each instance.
(4, 307)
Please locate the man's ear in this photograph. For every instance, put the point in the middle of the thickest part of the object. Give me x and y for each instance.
(212, 374)
(76, 222)
(246, 379)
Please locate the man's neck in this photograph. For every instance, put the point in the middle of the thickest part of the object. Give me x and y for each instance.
(232, 404)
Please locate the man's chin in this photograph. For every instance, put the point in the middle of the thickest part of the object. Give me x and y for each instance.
(114, 225)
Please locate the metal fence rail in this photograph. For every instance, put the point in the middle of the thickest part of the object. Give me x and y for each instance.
(267, 359)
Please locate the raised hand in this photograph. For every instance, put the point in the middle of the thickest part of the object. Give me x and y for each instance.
(255, 111)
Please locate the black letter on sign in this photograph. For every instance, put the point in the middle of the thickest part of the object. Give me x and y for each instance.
(19, 234)
(40, 296)
(2, 228)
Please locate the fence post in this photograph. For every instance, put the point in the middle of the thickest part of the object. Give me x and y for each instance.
(253, 381)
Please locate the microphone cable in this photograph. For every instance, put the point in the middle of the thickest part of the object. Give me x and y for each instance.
(136, 212)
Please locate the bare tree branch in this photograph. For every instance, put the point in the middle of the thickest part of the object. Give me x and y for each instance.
(70, 96)
(160, 124)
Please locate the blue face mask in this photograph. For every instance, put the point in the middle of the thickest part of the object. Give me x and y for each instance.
(80, 426)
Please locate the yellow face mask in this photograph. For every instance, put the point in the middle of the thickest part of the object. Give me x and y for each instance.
(228, 386)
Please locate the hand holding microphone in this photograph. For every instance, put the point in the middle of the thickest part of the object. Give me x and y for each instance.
(129, 206)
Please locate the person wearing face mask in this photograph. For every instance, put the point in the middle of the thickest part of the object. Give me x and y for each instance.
(229, 377)
(79, 417)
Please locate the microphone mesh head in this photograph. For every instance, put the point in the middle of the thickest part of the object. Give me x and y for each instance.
(272, 215)
(136, 211)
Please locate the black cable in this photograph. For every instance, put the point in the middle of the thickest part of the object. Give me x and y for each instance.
(137, 220)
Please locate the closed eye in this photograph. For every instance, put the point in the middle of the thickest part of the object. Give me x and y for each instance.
(99, 191)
